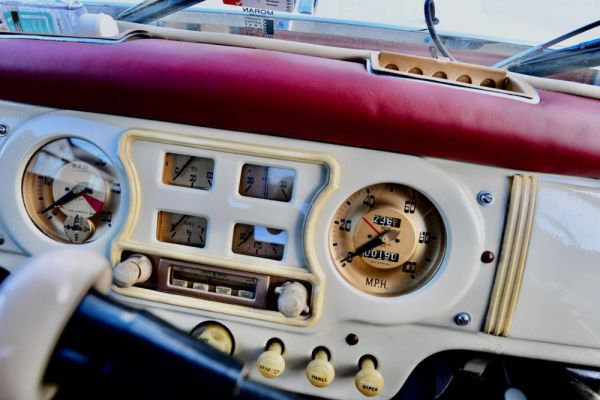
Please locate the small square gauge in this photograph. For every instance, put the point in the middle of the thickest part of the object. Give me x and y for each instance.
(188, 171)
(259, 241)
(187, 230)
(264, 182)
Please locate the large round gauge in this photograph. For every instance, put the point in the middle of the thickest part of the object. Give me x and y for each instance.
(387, 239)
(71, 191)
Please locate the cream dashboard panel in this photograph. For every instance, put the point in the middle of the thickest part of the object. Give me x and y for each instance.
(398, 331)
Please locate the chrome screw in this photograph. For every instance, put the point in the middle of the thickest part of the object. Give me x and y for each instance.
(485, 198)
(462, 319)
(3, 130)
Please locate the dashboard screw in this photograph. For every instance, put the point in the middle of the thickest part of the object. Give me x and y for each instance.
(487, 257)
(462, 319)
(485, 198)
(351, 339)
(3, 130)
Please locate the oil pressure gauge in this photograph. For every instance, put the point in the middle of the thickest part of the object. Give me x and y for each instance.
(387, 239)
(71, 191)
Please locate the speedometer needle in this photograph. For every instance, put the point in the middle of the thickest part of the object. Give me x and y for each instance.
(378, 240)
(75, 192)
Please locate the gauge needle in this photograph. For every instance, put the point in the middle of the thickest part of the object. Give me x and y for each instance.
(176, 224)
(187, 163)
(75, 192)
(378, 240)
(93, 202)
(248, 236)
(371, 226)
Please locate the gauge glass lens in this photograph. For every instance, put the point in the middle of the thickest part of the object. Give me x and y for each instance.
(71, 191)
(265, 182)
(259, 241)
(188, 171)
(387, 239)
(188, 230)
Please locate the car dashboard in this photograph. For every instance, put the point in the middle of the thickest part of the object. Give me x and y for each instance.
(336, 253)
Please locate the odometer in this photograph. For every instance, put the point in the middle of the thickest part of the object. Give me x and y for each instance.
(387, 239)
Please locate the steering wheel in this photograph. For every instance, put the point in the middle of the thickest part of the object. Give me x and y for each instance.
(62, 336)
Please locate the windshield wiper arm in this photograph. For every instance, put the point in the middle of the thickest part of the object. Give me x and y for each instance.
(529, 53)
(583, 55)
(151, 10)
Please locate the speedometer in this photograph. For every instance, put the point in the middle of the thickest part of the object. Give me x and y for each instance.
(71, 191)
(387, 239)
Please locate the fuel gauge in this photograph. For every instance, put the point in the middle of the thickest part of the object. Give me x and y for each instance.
(187, 230)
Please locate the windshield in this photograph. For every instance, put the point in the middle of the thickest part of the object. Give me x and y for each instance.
(482, 32)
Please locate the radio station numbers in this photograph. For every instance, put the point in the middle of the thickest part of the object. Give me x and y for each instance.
(188, 171)
(264, 182)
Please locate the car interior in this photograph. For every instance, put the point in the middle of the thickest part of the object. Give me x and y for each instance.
(268, 212)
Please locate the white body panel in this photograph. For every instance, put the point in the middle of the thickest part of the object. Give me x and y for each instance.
(560, 293)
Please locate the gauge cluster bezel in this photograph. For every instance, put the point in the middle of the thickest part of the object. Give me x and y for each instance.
(141, 152)
(456, 202)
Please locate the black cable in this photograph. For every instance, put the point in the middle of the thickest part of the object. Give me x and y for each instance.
(431, 20)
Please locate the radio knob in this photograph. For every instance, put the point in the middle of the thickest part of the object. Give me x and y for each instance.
(292, 300)
(368, 380)
(215, 335)
(136, 269)
(319, 371)
(271, 362)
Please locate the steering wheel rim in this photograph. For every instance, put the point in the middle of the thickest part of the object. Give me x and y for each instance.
(47, 287)
(55, 326)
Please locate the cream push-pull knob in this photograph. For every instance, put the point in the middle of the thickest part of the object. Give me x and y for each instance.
(136, 269)
(215, 335)
(271, 363)
(292, 300)
(368, 380)
(319, 371)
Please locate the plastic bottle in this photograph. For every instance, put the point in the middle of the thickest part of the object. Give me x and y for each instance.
(54, 18)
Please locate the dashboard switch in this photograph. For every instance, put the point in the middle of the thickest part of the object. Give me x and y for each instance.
(319, 371)
(293, 299)
(368, 380)
(271, 362)
(136, 269)
(216, 336)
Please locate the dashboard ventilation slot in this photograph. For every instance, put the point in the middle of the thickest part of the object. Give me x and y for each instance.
(511, 266)
(453, 73)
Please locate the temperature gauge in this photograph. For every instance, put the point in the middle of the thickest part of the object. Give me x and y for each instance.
(259, 241)
(188, 171)
(188, 230)
(267, 182)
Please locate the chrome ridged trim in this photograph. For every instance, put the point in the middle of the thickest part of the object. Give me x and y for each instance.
(511, 266)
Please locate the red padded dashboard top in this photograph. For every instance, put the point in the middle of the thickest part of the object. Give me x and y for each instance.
(305, 98)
